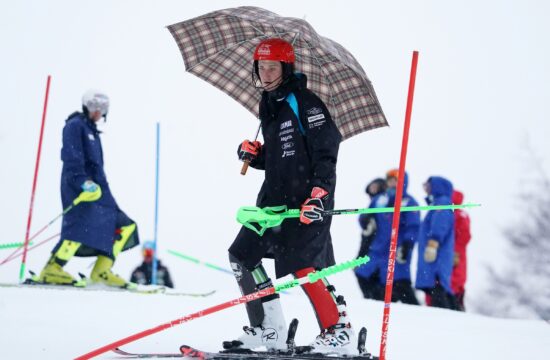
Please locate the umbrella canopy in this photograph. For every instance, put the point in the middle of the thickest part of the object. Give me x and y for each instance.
(218, 47)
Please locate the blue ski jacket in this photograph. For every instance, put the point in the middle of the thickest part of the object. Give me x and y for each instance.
(437, 225)
(90, 223)
(408, 231)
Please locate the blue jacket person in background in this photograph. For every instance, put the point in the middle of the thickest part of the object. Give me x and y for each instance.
(375, 271)
(436, 246)
(370, 286)
(95, 226)
(409, 225)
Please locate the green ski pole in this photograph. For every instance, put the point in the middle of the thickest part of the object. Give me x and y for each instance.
(260, 219)
(199, 262)
(12, 245)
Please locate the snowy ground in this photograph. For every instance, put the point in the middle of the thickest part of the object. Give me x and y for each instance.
(63, 324)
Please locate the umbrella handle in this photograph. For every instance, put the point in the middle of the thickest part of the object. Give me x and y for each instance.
(245, 167)
(247, 162)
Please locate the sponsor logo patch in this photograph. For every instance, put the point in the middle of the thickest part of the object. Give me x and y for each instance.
(314, 111)
(287, 131)
(315, 117)
(286, 124)
(288, 145)
(286, 138)
(288, 153)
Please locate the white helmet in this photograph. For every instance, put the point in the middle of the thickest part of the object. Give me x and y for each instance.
(95, 100)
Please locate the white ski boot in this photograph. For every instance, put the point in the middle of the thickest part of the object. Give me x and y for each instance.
(339, 339)
(271, 334)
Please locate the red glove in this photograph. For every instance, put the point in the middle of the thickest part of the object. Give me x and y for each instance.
(249, 150)
(312, 209)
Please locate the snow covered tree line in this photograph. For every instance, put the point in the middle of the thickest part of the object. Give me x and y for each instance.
(522, 288)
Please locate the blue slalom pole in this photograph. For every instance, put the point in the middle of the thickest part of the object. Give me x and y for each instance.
(154, 273)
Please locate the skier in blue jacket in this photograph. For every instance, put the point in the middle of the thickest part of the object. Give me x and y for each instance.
(96, 226)
(436, 245)
(379, 250)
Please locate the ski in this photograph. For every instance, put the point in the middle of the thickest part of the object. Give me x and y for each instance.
(236, 353)
(141, 289)
(187, 352)
(128, 355)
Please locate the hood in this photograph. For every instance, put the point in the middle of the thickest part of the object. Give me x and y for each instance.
(405, 183)
(382, 186)
(77, 114)
(440, 186)
(458, 197)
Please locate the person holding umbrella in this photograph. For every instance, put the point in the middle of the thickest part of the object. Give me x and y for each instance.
(299, 160)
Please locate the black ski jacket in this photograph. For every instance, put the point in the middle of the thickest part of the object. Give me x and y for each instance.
(298, 154)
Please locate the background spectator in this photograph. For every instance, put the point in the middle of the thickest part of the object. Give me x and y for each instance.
(143, 274)
(462, 238)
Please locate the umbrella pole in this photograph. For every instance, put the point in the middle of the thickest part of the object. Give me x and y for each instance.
(246, 162)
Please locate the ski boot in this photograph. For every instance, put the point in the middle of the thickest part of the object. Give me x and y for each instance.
(339, 339)
(53, 274)
(102, 274)
(271, 334)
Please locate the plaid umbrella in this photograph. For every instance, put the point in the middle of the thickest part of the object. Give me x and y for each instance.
(218, 48)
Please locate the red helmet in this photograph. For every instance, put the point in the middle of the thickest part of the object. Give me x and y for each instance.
(275, 49)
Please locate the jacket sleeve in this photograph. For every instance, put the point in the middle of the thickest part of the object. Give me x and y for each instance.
(167, 279)
(442, 223)
(410, 222)
(72, 154)
(364, 220)
(259, 162)
(323, 141)
(462, 228)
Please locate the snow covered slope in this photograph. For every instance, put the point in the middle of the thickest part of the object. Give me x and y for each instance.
(62, 324)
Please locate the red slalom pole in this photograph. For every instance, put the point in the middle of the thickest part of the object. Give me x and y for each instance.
(312, 277)
(37, 165)
(15, 255)
(242, 300)
(397, 212)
